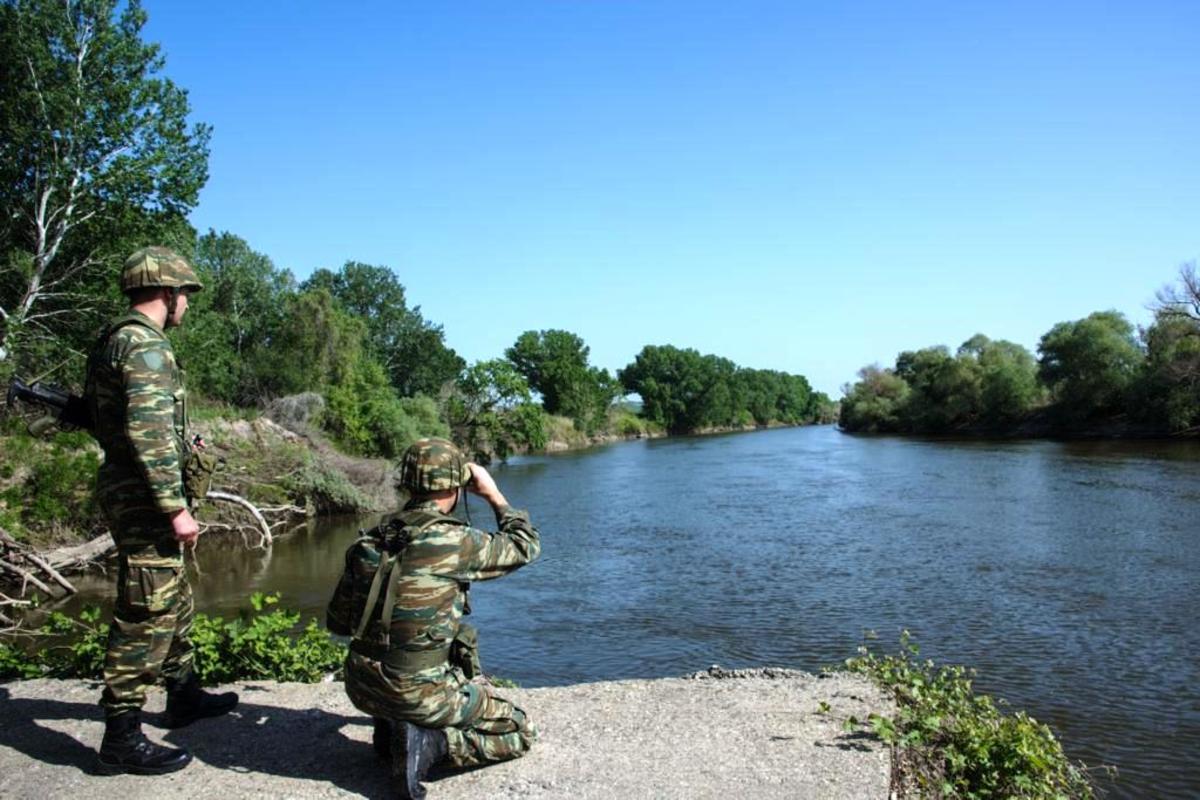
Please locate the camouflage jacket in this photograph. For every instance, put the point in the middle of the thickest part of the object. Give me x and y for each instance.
(136, 391)
(432, 578)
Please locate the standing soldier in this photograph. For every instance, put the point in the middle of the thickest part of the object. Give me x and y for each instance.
(136, 392)
(412, 664)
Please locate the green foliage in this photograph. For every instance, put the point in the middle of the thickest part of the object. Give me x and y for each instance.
(555, 365)
(326, 489)
(684, 391)
(46, 486)
(875, 404)
(1090, 365)
(232, 325)
(1168, 392)
(954, 743)
(263, 643)
(97, 159)
(411, 350)
(491, 412)
(77, 649)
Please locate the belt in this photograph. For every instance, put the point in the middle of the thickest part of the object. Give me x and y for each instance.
(402, 660)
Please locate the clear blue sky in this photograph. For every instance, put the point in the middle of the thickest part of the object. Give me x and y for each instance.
(800, 186)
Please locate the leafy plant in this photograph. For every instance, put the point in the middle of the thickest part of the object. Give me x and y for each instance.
(260, 644)
(953, 743)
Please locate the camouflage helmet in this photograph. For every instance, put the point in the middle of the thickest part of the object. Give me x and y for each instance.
(152, 267)
(432, 465)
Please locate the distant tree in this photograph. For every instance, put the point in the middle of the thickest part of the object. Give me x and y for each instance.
(1183, 300)
(555, 365)
(1008, 382)
(681, 390)
(491, 411)
(1168, 391)
(96, 158)
(875, 403)
(1089, 365)
(237, 315)
(945, 390)
(412, 350)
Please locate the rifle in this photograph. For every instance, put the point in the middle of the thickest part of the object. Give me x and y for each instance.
(66, 409)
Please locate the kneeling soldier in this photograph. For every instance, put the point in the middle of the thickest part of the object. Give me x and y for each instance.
(404, 590)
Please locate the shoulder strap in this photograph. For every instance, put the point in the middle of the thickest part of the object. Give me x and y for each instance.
(413, 522)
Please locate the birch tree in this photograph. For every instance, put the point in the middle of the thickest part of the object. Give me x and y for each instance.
(96, 154)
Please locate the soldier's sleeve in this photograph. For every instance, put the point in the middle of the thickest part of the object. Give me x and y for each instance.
(484, 555)
(149, 379)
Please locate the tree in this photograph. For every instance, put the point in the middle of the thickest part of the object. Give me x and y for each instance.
(1182, 301)
(1009, 387)
(1089, 365)
(236, 317)
(96, 158)
(555, 364)
(411, 350)
(945, 390)
(875, 403)
(491, 411)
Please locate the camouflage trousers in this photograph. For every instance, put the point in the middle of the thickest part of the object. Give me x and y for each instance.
(481, 727)
(150, 636)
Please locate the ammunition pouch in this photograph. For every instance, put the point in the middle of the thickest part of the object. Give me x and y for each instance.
(198, 469)
(464, 651)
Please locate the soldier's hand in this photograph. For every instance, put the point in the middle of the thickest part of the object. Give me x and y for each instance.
(185, 527)
(485, 486)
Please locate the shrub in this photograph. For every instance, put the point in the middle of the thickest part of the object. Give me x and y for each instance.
(950, 742)
(257, 645)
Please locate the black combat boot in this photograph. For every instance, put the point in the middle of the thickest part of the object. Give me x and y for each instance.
(414, 751)
(126, 749)
(187, 702)
(381, 738)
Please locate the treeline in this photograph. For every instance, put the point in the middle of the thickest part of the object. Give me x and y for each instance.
(1097, 374)
(99, 159)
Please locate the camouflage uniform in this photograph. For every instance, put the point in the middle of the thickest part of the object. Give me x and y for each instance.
(418, 668)
(136, 389)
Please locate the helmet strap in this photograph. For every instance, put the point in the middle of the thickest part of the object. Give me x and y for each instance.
(171, 304)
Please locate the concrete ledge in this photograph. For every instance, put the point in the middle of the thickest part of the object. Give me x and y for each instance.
(753, 733)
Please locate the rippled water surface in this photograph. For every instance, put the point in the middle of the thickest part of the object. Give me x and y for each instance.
(1066, 573)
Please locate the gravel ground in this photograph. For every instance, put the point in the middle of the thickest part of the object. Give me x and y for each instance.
(716, 734)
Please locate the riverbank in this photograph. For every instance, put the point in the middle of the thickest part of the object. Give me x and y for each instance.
(754, 733)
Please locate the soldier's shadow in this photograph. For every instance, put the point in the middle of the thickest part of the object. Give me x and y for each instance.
(23, 730)
(305, 744)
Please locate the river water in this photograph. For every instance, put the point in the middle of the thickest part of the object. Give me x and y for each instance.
(1066, 573)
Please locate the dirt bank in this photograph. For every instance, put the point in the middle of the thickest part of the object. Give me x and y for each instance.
(755, 734)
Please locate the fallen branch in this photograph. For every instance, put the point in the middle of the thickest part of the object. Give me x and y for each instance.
(267, 539)
(80, 554)
(51, 571)
(26, 576)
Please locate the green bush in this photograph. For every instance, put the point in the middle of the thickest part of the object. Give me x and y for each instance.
(953, 743)
(47, 484)
(263, 646)
(257, 645)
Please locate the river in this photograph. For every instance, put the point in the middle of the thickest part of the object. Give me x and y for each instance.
(1066, 573)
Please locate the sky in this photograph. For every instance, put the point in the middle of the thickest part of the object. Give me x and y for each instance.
(803, 186)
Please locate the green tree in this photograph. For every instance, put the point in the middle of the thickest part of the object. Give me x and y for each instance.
(234, 320)
(491, 411)
(1089, 365)
(412, 350)
(555, 365)
(1009, 384)
(1168, 391)
(875, 403)
(944, 390)
(96, 158)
